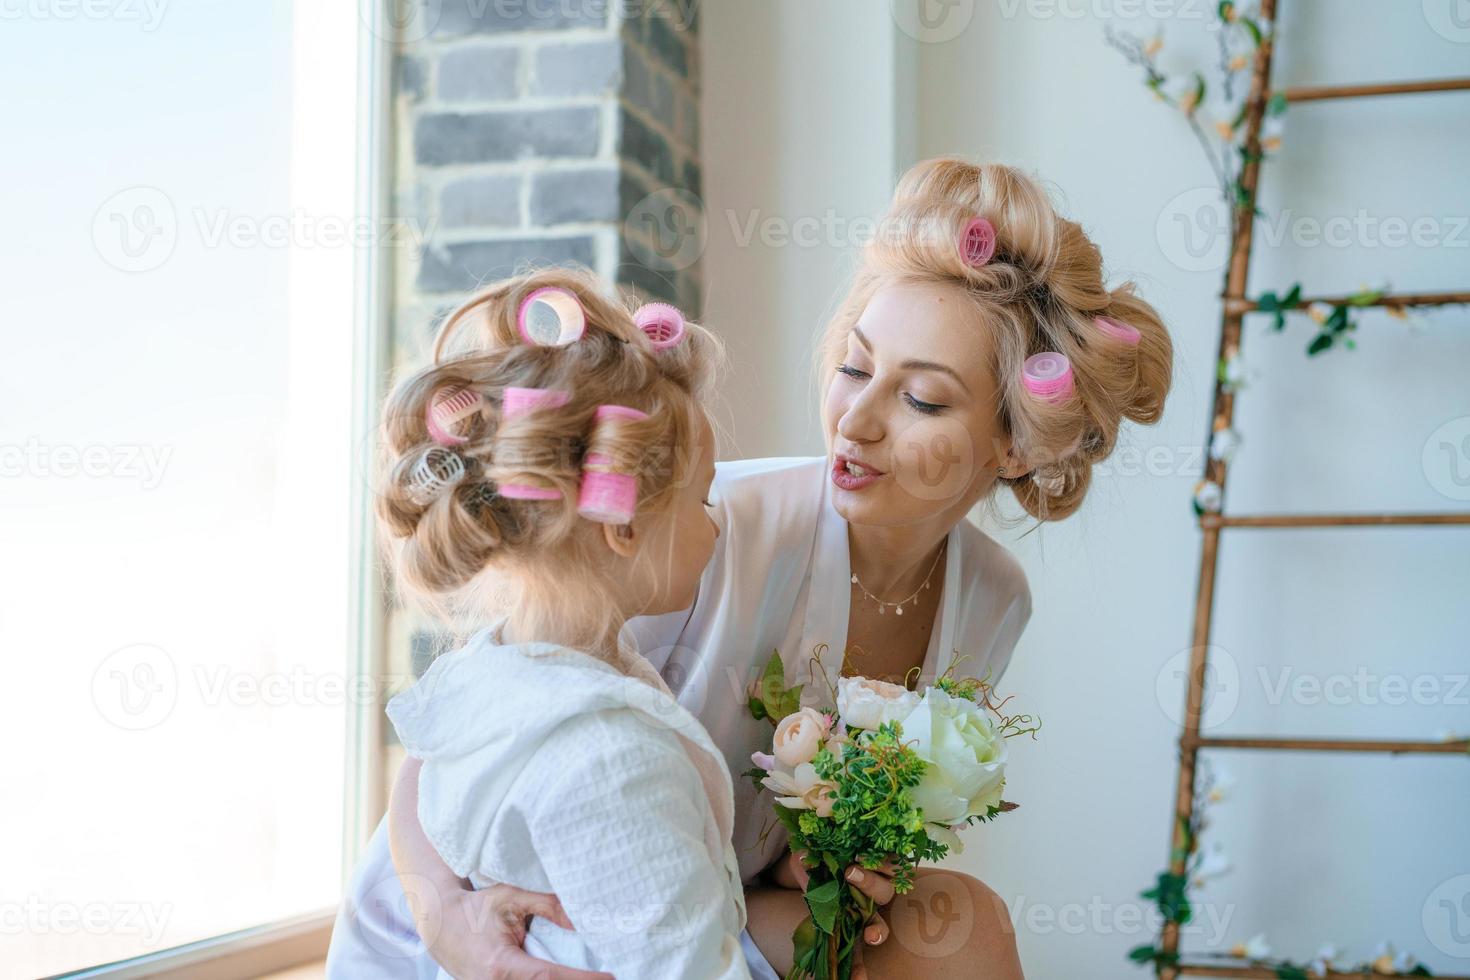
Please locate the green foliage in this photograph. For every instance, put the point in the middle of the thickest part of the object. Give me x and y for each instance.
(1171, 894)
(1278, 306)
(966, 687)
(772, 699)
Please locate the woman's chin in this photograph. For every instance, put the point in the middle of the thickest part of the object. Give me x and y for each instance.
(861, 506)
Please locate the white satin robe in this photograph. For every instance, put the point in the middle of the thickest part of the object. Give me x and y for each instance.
(779, 580)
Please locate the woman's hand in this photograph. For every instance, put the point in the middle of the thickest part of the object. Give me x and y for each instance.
(876, 883)
(473, 935)
(480, 935)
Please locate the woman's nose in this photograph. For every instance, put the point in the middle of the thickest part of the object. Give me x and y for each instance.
(861, 422)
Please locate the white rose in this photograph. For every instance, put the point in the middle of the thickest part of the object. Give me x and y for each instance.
(966, 758)
(866, 703)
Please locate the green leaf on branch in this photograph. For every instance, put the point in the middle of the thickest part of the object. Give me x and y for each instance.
(1277, 105)
(804, 939)
(1170, 894)
(790, 819)
(1141, 954)
(774, 698)
(823, 902)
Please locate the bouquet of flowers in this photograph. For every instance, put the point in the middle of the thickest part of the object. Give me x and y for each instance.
(891, 775)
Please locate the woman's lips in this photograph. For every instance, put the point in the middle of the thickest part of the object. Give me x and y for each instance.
(849, 481)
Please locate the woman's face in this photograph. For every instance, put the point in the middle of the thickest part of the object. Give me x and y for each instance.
(910, 413)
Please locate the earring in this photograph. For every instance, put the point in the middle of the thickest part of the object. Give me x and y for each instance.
(1000, 471)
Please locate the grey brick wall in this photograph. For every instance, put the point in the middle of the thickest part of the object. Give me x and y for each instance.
(540, 131)
(534, 131)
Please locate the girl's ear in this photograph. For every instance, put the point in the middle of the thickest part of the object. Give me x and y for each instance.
(621, 539)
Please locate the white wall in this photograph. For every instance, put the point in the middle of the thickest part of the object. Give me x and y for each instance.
(798, 139)
(800, 117)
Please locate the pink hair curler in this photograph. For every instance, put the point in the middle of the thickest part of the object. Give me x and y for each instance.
(1118, 330)
(977, 243)
(518, 401)
(515, 403)
(551, 317)
(661, 323)
(606, 496)
(520, 491)
(1048, 376)
(437, 470)
(449, 409)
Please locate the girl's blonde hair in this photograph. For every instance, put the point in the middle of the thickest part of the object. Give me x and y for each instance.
(1040, 292)
(553, 558)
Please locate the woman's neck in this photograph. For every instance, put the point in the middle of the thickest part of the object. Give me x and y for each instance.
(892, 562)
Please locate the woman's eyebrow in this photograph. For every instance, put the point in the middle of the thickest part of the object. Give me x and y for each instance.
(912, 365)
(917, 365)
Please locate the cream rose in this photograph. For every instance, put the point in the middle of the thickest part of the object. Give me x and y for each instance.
(802, 789)
(799, 737)
(865, 703)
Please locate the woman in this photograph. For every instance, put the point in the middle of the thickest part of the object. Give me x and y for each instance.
(862, 560)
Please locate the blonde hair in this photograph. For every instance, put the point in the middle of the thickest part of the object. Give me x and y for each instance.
(1040, 292)
(549, 554)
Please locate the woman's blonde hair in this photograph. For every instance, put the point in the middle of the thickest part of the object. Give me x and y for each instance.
(553, 558)
(1040, 292)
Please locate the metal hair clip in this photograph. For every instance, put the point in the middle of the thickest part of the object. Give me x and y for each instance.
(436, 471)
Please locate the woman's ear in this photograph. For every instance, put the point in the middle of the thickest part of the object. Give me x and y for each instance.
(1013, 465)
(621, 539)
(1009, 464)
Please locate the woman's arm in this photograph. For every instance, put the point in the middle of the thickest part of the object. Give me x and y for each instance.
(471, 934)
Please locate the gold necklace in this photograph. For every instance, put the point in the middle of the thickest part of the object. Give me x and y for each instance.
(898, 606)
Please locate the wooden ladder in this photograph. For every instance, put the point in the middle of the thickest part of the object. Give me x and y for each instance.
(1235, 307)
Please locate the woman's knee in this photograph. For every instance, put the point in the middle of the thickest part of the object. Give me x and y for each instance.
(951, 925)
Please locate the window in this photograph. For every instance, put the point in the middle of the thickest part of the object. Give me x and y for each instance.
(182, 426)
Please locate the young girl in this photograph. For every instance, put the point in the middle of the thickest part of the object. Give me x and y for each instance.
(558, 446)
(978, 350)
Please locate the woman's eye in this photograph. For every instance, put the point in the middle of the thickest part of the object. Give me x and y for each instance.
(851, 372)
(926, 407)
